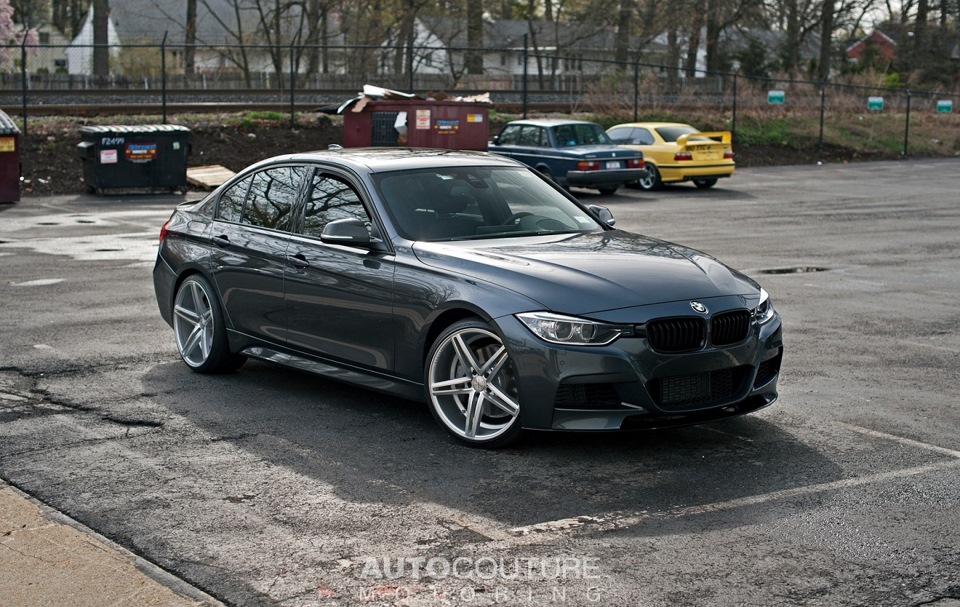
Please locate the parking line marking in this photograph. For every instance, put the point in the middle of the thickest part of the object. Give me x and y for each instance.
(901, 439)
(543, 531)
(556, 529)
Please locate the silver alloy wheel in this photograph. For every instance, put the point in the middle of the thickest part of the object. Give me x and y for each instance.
(652, 180)
(193, 323)
(472, 385)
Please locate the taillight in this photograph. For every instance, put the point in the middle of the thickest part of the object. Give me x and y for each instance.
(683, 156)
(163, 231)
(728, 154)
(635, 163)
(588, 165)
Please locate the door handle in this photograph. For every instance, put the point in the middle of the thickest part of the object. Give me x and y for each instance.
(221, 240)
(298, 261)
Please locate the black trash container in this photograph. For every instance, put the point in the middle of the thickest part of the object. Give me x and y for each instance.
(9, 159)
(151, 156)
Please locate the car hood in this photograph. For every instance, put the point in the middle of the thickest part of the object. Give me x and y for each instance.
(586, 273)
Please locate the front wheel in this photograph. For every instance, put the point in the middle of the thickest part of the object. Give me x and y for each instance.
(199, 328)
(703, 184)
(472, 385)
(652, 181)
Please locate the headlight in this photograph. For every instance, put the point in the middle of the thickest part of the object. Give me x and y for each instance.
(763, 312)
(569, 330)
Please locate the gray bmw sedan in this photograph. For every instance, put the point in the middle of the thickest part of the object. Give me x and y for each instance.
(470, 282)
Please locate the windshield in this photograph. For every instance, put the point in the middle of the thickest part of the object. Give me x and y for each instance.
(672, 133)
(580, 134)
(468, 203)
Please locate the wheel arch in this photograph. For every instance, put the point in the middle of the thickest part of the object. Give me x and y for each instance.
(445, 319)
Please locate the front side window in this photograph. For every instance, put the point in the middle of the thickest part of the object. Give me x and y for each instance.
(509, 135)
(330, 199)
(273, 193)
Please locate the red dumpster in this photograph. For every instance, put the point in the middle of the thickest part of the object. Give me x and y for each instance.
(9, 159)
(420, 123)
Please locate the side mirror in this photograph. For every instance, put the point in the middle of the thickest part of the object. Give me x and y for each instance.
(495, 140)
(603, 214)
(350, 231)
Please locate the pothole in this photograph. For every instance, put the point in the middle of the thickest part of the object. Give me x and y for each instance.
(107, 250)
(133, 423)
(794, 270)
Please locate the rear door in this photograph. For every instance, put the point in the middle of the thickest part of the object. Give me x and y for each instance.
(250, 236)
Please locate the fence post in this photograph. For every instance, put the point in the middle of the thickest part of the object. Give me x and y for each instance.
(525, 57)
(23, 81)
(410, 64)
(163, 76)
(823, 104)
(293, 87)
(636, 89)
(733, 126)
(906, 128)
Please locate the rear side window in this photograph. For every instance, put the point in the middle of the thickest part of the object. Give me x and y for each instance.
(534, 136)
(643, 137)
(231, 201)
(273, 193)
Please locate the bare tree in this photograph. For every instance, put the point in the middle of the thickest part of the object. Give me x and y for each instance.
(624, 25)
(475, 36)
(190, 39)
(101, 49)
(826, 40)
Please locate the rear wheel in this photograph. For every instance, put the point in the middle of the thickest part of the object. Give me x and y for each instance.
(652, 181)
(608, 189)
(703, 184)
(199, 328)
(472, 385)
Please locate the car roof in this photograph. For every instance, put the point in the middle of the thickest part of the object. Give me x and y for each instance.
(652, 125)
(548, 121)
(380, 160)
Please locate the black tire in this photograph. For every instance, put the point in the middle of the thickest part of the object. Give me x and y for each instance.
(199, 330)
(652, 181)
(471, 386)
(704, 184)
(607, 190)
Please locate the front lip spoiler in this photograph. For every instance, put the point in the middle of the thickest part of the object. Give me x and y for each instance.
(583, 420)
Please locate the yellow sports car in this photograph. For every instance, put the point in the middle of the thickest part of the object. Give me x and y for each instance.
(676, 152)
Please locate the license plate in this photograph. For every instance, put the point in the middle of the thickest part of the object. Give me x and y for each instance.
(613, 164)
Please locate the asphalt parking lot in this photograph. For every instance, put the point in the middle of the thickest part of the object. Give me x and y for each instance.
(271, 487)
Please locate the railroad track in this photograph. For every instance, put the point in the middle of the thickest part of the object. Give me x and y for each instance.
(126, 102)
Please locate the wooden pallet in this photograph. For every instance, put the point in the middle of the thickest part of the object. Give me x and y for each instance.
(209, 176)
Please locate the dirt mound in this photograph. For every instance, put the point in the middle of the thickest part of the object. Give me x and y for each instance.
(51, 163)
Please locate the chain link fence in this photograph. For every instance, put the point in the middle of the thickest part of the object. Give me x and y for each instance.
(523, 79)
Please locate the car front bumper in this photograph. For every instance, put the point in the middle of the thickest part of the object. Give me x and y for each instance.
(622, 385)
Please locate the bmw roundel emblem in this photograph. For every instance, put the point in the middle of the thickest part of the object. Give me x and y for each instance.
(698, 307)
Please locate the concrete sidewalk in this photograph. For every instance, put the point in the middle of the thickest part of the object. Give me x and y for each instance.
(48, 559)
